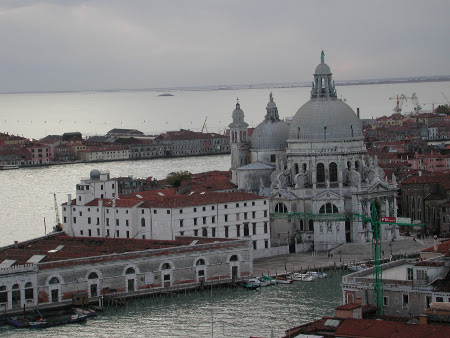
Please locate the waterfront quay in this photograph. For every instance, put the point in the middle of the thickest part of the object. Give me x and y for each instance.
(338, 258)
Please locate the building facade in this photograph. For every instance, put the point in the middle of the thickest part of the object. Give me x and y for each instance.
(124, 267)
(316, 166)
(99, 211)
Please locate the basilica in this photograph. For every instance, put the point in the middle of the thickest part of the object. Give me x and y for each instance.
(316, 166)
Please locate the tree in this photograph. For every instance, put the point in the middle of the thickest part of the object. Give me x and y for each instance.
(176, 177)
(443, 109)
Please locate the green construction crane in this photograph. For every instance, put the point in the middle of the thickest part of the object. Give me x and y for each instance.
(377, 260)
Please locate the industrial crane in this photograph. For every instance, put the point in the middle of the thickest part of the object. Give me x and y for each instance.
(204, 125)
(400, 100)
(377, 259)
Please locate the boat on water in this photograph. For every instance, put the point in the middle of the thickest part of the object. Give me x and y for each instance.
(283, 280)
(301, 277)
(270, 280)
(248, 286)
(317, 274)
(8, 167)
(37, 320)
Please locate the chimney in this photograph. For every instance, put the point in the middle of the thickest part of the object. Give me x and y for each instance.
(435, 244)
(423, 319)
(16, 244)
(69, 199)
(357, 112)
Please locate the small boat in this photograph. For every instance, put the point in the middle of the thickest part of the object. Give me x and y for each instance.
(301, 277)
(283, 280)
(263, 282)
(269, 279)
(8, 167)
(316, 274)
(248, 286)
(60, 320)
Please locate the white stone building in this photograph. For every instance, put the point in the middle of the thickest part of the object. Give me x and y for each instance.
(316, 166)
(98, 211)
(49, 271)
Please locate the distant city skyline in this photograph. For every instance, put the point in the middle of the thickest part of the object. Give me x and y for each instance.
(106, 45)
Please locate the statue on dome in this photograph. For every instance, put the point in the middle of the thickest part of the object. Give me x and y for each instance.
(322, 57)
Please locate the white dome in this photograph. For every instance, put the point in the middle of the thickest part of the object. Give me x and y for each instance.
(270, 135)
(325, 119)
(322, 69)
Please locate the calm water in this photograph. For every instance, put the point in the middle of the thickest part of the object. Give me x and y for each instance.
(234, 313)
(26, 196)
(91, 113)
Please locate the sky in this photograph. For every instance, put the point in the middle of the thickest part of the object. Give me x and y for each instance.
(75, 45)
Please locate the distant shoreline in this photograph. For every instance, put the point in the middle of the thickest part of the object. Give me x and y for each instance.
(166, 91)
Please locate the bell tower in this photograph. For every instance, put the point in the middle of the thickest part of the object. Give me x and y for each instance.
(239, 141)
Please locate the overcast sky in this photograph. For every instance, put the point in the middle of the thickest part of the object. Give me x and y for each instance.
(86, 45)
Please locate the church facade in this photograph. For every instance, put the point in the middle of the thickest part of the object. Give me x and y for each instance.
(316, 166)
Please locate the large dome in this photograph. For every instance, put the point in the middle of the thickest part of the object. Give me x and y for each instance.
(270, 135)
(325, 119)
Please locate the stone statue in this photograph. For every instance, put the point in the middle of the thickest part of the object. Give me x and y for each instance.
(328, 183)
(282, 181)
(300, 180)
(261, 187)
(394, 179)
(274, 179)
(355, 178)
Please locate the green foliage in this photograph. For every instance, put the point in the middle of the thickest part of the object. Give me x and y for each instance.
(443, 109)
(176, 177)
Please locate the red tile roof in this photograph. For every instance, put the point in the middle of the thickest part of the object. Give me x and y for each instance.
(82, 247)
(382, 328)
(443, 248)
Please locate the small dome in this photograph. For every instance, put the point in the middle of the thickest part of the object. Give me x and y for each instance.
(270, 135)
(323, 69)
(238, 113)
(95, 174)
(325, 119)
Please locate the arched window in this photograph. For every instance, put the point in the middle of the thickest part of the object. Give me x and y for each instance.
(320, 173)
(200, 262)
(311, 225)
(130, 271)
(205, 232)
(3, 294)
(29, 294)
(234, 258)
(280, 207)
(349, 165)
(93, 275)
(333, 172)
(357, 165)
(143, 222)
(328, 208)
(296, 168)
(54, 280)
(166, 266)
(16, 294)
(304, 166)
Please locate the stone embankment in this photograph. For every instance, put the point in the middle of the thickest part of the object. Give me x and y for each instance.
(341, 256)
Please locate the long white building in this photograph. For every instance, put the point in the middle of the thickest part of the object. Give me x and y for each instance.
(99, 211)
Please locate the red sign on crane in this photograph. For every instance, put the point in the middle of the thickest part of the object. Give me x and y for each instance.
(388, 219)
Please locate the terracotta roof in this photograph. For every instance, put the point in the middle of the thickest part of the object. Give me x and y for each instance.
(81, 247)
(443, 248)
(350, 306)
(382, 328)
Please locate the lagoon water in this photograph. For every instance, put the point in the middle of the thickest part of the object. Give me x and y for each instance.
(95, 113)
(27, 204)
(229, 313)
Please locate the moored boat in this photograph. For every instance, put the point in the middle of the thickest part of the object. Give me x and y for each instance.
(283, 280)
(8, 167)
